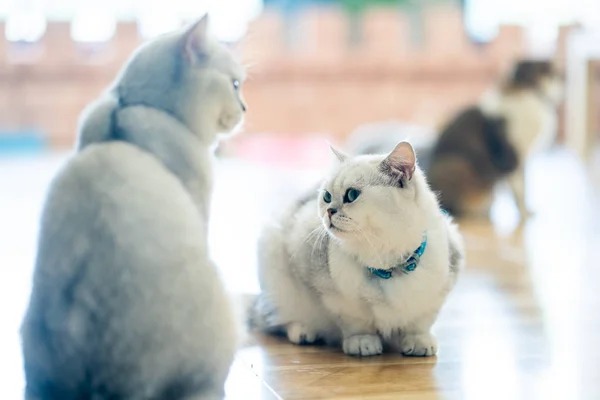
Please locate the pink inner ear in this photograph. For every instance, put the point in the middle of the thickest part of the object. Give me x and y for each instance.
(340, 155)
(195, 39)
(402, 159)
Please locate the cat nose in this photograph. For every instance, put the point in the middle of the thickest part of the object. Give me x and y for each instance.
(331, 211)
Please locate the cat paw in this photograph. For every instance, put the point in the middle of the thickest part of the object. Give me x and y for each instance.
(363, 345)
(299, 334)
(418, 345)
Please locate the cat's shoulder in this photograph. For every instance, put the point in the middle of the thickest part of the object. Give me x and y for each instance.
(110, 167)
(111, 155)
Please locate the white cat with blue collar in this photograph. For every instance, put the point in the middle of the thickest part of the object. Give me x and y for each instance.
(367, 262)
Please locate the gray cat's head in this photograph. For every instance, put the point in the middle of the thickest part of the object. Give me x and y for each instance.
(189, 75)
(375, 200)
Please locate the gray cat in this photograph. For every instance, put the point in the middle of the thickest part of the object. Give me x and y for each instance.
(126, 303)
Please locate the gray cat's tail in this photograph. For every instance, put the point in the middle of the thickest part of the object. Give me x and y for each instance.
(262, 316)
(96, 121)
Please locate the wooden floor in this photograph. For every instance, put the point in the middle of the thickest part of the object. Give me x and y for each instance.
(522, 323)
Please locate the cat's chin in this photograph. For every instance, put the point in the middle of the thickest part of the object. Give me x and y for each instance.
(230, 125)
(337, 232)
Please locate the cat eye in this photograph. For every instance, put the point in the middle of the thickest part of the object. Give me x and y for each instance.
(327, 197)
(236, 84)
(351, 195)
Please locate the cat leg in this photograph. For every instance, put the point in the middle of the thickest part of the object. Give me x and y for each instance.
(286, 301)
(308, 321)
(294, 308)
(416, 340)
(481, 207)
(299, 333)
(363, 345)
(418, 344)
(517, 185)
(360, 339)
(264, 315)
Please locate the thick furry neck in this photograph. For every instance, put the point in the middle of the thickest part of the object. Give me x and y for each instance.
(157, 131)
(165, 137)
(392, 247)
(97, 122)
(205, 131)
(384, 254)
(180, 150)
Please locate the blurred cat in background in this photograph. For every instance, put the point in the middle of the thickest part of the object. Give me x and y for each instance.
(488, 142)
(126, 302)
(472, 154)
(529, 104)
(494, 140)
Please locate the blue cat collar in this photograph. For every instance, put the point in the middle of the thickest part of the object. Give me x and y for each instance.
(407, 266)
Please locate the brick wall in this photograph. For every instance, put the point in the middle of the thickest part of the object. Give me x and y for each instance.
(318, 83)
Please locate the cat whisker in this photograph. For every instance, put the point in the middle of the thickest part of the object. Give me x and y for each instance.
(313, 233)
(308, 237)
(364, 234)
(321, 236)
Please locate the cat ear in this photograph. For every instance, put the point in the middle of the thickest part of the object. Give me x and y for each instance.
(401, 162)
(195, 40)
(340, 155)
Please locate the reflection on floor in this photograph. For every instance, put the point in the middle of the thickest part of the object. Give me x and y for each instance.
(523, 322)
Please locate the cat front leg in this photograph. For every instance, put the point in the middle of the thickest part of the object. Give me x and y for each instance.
(416, 340)
(517, 185)
(299, 333)
(418, 344)
(359, 335)
(368, 344)
(359, 338)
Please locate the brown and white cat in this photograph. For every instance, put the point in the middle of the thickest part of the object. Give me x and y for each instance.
(493, 140)
(482, 144)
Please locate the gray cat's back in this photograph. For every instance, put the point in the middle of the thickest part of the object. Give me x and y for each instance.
(125, 302)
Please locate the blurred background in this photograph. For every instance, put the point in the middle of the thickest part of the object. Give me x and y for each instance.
(314, 64)
(318, 70)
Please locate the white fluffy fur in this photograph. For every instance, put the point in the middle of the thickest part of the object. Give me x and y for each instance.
(531, 126)
(332, 296)
(126, 302)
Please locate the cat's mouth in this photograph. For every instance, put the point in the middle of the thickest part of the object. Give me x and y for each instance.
(335, 229)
